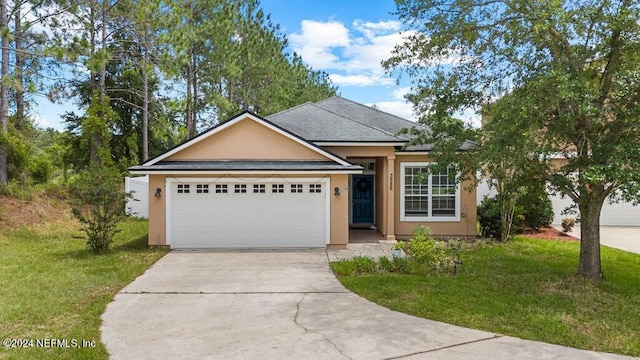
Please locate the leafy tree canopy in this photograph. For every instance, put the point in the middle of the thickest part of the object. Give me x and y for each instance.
(559, 82)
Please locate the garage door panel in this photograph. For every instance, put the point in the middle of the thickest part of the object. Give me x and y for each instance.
(223, 220)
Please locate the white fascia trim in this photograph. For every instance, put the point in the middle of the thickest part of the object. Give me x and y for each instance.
(413, 153)
(404, 218)
(248, 180)
(329, 143)
(239, 119)
(247, 172)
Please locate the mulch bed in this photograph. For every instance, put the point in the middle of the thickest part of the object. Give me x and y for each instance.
(549, 233)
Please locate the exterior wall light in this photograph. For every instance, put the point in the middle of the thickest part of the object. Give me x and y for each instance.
(158, 193)
(336, 191)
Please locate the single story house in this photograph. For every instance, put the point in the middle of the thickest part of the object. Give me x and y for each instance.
(305, 177)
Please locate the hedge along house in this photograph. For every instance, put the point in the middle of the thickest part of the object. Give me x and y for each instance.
(304, 177)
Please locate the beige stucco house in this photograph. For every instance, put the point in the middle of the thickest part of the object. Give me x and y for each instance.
(317, 175)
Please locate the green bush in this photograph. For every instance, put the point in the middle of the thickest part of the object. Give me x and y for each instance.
(428, 253)
(17, 156)
(40, 169)
(343, 267)
(99, 202)
(537, 209)
(568, 224)
(489, 218)
(533, 210)
(365, 265)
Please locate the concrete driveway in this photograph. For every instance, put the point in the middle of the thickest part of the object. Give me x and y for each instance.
(619, 237)
(282, 305)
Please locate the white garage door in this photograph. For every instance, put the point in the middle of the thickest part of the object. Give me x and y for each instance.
(617, 214)
(239, 213)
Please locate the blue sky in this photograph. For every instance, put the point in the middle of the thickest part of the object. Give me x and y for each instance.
(347, 39)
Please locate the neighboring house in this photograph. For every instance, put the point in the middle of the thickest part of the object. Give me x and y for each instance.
(303, 177)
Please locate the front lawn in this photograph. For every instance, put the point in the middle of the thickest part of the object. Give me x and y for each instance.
(524, 288)
(52, 287)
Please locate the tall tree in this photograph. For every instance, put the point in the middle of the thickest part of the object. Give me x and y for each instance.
(564, 78)
(4, 100)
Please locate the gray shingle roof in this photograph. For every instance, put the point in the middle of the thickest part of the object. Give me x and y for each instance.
(381, 120)
(340, 120)
(246, 165)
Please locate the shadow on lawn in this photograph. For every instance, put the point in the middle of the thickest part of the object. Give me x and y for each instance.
(136, 245)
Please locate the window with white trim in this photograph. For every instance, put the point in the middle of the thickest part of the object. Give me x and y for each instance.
(315, 188)
(183, 188)
(277, 188)
(426, 196)
(240, 188)
(202, 188)
(221, 188)
(296, 188)
(259, 188)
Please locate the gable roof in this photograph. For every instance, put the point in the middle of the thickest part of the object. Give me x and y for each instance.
(340, 120)
(243, 116)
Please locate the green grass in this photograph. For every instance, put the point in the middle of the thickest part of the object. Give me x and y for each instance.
(51, 286)
(525, 288)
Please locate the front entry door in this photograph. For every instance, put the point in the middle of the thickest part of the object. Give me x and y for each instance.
(362, 186)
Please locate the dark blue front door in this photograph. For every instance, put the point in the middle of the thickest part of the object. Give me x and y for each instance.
(362, 189)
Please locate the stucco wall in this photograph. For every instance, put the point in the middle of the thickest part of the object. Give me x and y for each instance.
(157, 211)
(339, 211)
(250, 140)
(466, 227)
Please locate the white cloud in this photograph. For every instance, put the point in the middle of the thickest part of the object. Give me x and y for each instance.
(401, 92)
(398, 108)
(371, 28)
(41, 122)
(363, 79)
(354, 55)
(470, 116)
(317, 39)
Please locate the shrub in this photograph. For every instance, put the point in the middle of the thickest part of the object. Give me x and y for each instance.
(40, 169)
(343, 267)
(428, 253)
(489, 218)
(99, 202)
(537, 209)
(534, 210)
(365, 265)
(568, 224)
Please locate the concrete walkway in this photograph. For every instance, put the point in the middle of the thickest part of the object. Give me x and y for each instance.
(619, 237)
(283, 305)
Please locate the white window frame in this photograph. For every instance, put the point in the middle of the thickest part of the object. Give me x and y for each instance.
(428, 218)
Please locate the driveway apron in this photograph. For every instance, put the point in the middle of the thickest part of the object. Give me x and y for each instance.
(282, 305)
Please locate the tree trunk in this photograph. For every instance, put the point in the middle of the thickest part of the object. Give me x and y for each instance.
(4, 71)
(507, 210)
(590, 265)
(93, 146)
(194, 83)
(18, 69)
(145, 99)
(189, 116)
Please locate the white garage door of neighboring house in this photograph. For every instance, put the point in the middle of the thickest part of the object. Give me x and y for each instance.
(620, 214)
(248, 213)
(617, 214)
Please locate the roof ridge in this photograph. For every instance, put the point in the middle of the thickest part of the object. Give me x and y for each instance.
(358, 122)
(370, 108)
